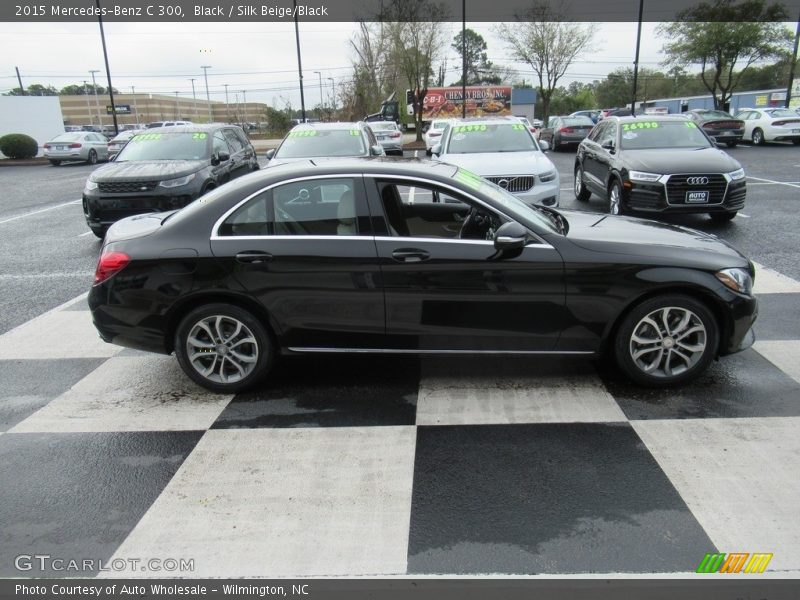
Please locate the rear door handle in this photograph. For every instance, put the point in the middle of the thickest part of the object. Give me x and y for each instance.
(410, 255)
(253, 257)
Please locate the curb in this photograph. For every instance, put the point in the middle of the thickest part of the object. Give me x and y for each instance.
(28, 162)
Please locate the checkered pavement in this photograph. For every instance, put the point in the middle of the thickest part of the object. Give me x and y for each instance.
(353, 466)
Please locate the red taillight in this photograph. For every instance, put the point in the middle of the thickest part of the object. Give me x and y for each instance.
(109, 264)
(395, 134)
(566, 130)
(790, 121)
(47, 146)
(74, 145)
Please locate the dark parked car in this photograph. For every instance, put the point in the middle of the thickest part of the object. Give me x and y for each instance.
(375, 255)
(719, 125)
(658, 164)
(165, 169)
(564, 131)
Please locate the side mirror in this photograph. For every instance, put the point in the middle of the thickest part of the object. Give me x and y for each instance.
(436, 150)
(510, 236)
(223, 156)
(608, 145)
(544, 145)
(270, 153)
(376, 150)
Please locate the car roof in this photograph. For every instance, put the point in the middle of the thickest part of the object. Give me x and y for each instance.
(633, 119)
(488, 120)
(193, 128)
(334, 126)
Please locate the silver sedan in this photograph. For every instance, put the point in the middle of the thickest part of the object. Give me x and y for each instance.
(77, 146)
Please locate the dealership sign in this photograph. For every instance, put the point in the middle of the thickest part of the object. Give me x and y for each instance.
(122, 109)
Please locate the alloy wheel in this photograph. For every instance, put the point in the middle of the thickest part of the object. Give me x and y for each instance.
(614, 200)
(668, 341)
(222, 349)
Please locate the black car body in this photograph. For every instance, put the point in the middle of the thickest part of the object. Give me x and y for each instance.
(376, 255)
(163, 169)
(720, 126)
(657, 165)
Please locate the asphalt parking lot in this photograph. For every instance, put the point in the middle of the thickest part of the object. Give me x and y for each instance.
(384, 466)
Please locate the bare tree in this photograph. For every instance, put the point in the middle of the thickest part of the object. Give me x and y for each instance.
(549, 41)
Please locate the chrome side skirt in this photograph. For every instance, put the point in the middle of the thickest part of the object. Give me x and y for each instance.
(407, 351)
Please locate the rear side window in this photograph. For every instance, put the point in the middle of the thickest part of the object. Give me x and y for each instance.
(233, 141)
(329, 207)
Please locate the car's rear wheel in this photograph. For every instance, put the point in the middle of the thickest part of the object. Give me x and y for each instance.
(223, 347)
(667, 340)
(796, 142)
(582, 193)
(92, 159)
(615, 199)
(55, 163)
(722, 217)
(732, 143)
(758, 137)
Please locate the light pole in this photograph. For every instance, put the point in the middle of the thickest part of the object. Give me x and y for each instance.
(244, 101)
(333, 93)
(321, 100)
(108, 69)
(299, 63)
(88, 108)
(208, 97)
(96, 101)
(135, 108)
(176, 106)
(194, 99)
(227, 105)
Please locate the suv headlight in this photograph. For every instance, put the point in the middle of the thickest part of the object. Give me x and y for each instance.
(91, 185)
(170, 183)
(736, 175)
(548, 176)
(642, 176)
(738, 280)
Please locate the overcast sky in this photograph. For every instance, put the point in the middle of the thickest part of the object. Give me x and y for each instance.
(257, 57)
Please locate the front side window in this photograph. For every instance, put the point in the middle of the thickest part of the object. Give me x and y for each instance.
(233, 141)
(334, 207)
(220, 145)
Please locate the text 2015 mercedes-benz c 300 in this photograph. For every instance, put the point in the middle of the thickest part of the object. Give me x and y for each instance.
(377, 255)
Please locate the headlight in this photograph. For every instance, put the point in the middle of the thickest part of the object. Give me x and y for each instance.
(549, 176)
(91, 185)
(738, 280)
(170, 183)
(736, 175)
(642, 176)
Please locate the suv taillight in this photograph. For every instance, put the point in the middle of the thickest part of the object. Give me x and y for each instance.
(110, 263)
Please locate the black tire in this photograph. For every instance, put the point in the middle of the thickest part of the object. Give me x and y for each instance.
(55, 163)
(582, 193)
(732, 143)
(796, 142)
(207, 188)
(670, 367)
(615, 207)
(217, 358)
(556, 144)
(758, 137)
(722, 217)
(100, 232)
(92, 158)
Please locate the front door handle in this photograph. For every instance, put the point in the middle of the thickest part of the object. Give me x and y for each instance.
(410, 255)
(253, 257)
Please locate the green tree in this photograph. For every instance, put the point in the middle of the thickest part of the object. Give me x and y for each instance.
(479, 68)
(546, 39)
(35, 89)
(724, 35)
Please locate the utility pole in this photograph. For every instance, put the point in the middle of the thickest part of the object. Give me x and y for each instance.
(333, 92)
(22, 89)
(176, 106)
(194, 99)
(636, 60)
(108, 69)
(208, 97)
(321, 99)
(227, 105)
(299, 63)
(791, 68)
(96, 101)
(135, 108)
(244, 101)
(463, 59)
(88, 108)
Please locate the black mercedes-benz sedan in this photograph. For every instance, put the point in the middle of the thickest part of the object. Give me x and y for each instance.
(411, 256)
(657, 165)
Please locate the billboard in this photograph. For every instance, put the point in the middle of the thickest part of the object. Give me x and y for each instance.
(481, 101)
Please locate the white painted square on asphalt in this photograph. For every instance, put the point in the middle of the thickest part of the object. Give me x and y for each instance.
(771, 282)
(739, 479)
(475, 391)
(59, 334)
(784, 354)
(130, 394)
(284, 503)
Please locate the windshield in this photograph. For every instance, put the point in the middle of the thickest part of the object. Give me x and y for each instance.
(662, 134)
(781, 112)
(497, 137)
(513, 205)
(166, 146)
(307, 143)
(383, 126)
(714, 114)
(577, 121)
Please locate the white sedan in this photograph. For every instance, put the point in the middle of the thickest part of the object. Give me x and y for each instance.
(770, 125)
(434, 134)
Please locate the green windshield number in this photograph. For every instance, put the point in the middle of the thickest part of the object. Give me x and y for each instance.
(469, 128)
(691, 125)
(306, 133)
(639, 125)
(199, 136)
(146, 137)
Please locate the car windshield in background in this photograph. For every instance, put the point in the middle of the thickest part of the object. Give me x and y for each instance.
(307, 143)
(439, 125)
(641, 135)
(383, 126)
(516, 207)
(714, 114)
(166, 146)
(781, 112)
(577, 121)
(483, 137)
(68, 137)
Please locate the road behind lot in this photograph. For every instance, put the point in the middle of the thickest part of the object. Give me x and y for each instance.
(49, 253)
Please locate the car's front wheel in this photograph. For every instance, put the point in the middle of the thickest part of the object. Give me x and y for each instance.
(667, 340)
(582, 193)
(223, 347)
(615, 199)
(55, 163)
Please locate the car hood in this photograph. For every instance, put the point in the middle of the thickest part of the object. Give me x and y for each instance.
(147, 170)
(488, 164)
(680, 160)
(653, 239)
